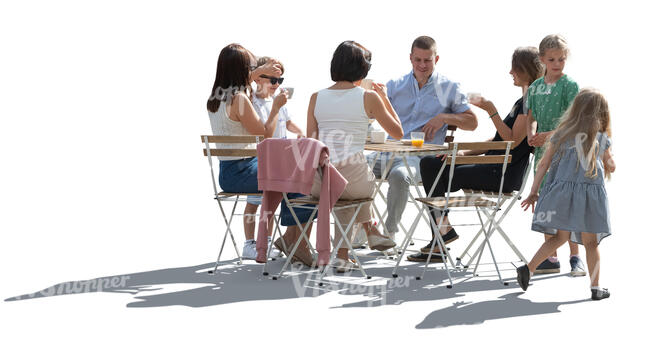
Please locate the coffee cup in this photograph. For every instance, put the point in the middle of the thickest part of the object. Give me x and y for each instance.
(377, 137)
(289, 92)
(366, 84)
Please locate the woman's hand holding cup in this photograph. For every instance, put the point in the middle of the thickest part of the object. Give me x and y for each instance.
(380, 89)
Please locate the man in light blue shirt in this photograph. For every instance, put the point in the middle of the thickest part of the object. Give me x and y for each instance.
(424, 101)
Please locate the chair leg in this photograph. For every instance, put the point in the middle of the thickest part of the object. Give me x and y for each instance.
(408, 239)
(480, 247)
(471, 244)
(444, 253)
(490, 224)
(344, 237)
(228, 232)
(302, 234)
(487, 240)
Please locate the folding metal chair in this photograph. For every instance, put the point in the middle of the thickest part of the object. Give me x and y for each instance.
(448, 203)
(235, 197)
(451, 130)
(292, 205)
(509, 198)
(340, 204)
(311, 203)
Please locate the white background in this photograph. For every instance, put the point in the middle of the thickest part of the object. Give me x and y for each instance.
(102, 105)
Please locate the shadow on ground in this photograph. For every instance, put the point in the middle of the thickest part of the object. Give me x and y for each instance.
(192, 286)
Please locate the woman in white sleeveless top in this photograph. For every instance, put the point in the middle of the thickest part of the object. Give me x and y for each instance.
(338, 116)
(231, 114)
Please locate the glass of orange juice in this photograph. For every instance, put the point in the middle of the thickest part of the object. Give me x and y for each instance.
(417, 138)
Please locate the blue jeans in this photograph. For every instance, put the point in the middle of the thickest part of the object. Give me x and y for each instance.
(241, 176)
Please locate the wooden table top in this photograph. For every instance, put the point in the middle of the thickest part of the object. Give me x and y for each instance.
(393, 146)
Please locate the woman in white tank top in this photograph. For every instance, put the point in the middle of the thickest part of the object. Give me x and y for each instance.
(231, 113)
(338, 116)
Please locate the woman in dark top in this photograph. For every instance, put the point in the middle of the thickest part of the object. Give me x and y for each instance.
(526, 68)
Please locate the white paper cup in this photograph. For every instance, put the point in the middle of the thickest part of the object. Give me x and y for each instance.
(289, 92)
(366, 84)
(473, 96)
(377, 137)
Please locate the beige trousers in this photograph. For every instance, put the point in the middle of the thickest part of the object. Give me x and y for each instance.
(361, 184)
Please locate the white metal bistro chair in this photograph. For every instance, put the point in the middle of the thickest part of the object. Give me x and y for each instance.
(210, 141)
(506, 198)
(312, 203)
(448, 203)
(451, 130)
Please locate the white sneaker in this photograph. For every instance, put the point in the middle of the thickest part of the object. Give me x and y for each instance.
(275, 253)
(249, 251)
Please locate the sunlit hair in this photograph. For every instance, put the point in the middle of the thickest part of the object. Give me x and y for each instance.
(350, 62)
(232, 75)
(525, 61)
(264, 59)
(584, 119)
(554, 41)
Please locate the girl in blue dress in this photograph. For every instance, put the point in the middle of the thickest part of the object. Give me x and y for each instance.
(573, 204)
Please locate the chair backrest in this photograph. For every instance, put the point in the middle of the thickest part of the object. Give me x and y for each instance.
(207, 139)
(210, 152)
(451, 130)
(504, 159)
(481, 159)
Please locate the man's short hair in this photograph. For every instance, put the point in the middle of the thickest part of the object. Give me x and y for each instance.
(425, 42)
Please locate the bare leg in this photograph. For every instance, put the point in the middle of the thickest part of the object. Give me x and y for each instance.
(547, 237)
(370, 229)
(548, 247)
(573, 247)
(293, 234)
(444, 225)
(593, 257)
(249, 220)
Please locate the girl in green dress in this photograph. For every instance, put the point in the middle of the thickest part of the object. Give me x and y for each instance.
(547, 99)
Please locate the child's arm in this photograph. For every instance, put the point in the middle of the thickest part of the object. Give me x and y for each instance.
(542, 167)
(294, 128)
(608, 161)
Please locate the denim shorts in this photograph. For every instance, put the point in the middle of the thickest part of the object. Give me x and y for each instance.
(241, 176)
(238, 175)
(286, 219)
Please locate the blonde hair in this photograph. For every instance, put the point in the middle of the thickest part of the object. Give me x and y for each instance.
(554, 41)
(264, 59)
(584, 119)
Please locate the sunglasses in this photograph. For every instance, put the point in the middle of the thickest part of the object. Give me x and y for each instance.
(273, 80)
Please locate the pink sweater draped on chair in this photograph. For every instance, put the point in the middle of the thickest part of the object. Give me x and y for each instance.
(289, 165)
